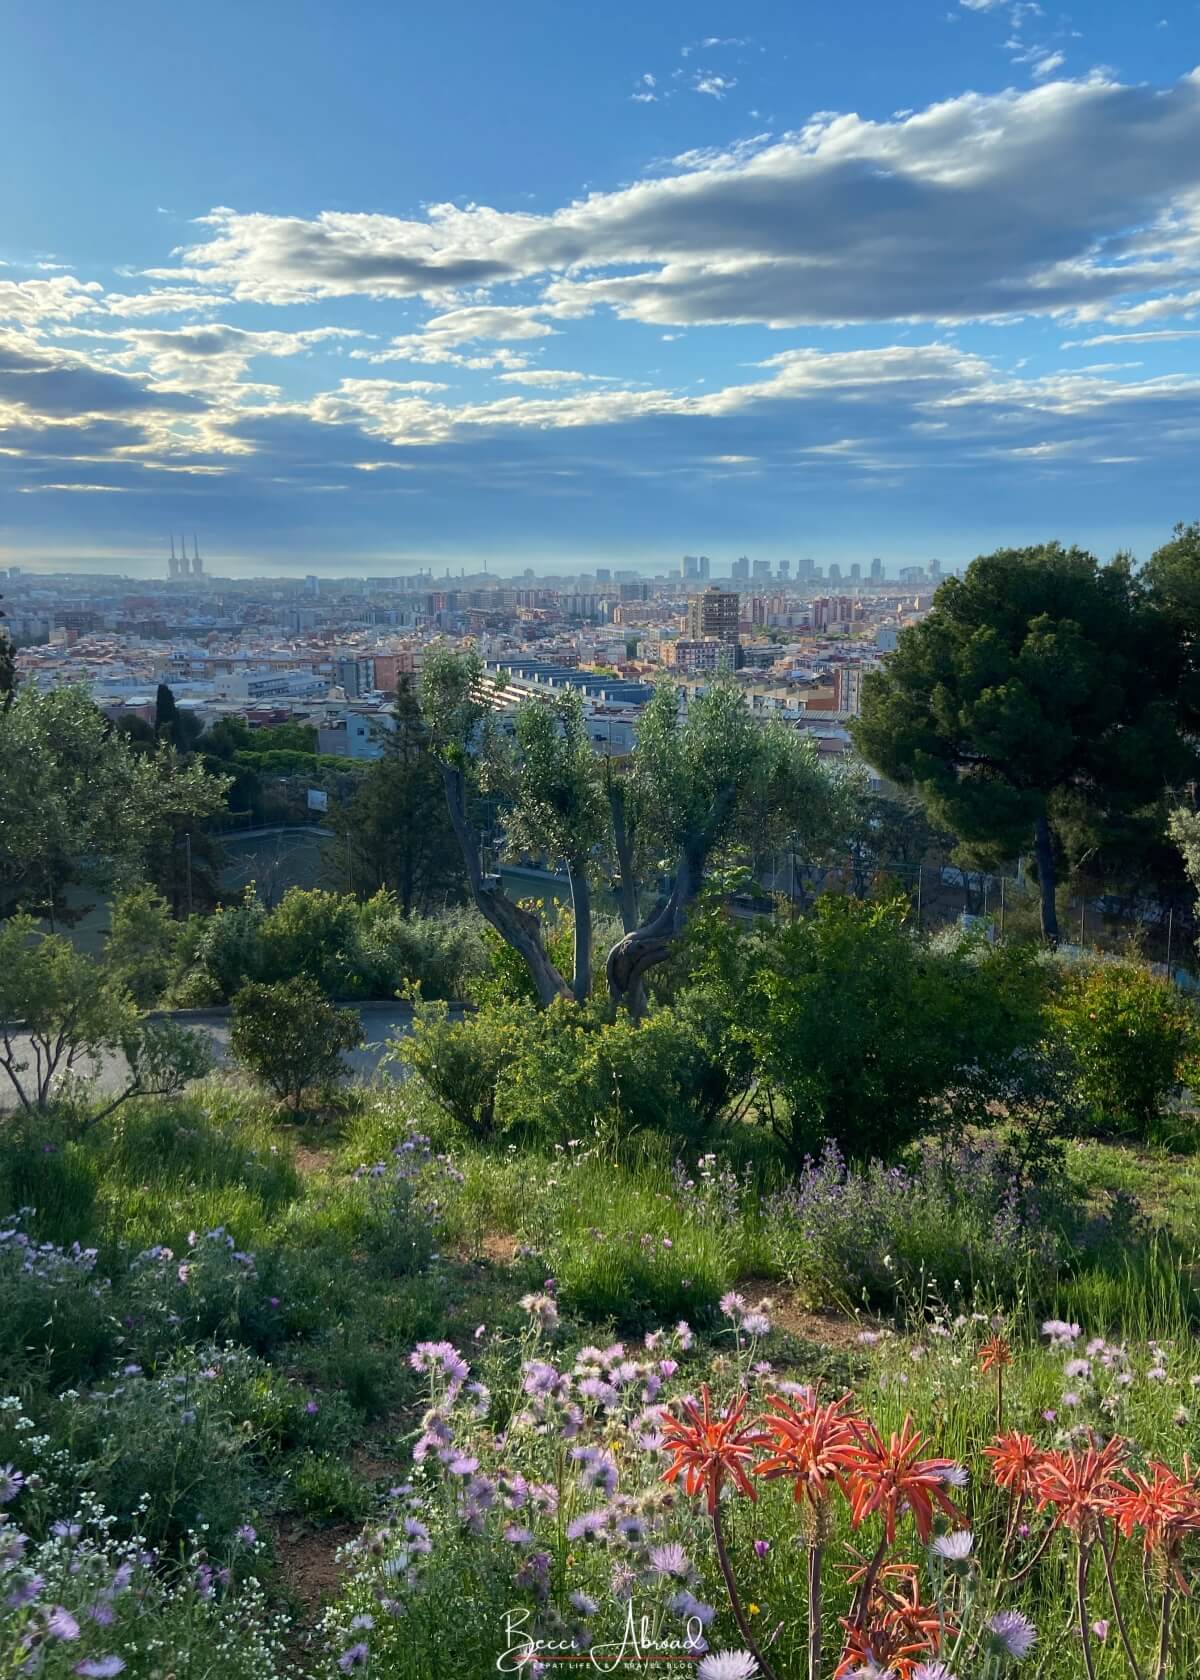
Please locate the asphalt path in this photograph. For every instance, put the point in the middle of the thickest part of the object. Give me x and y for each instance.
(381, 1022)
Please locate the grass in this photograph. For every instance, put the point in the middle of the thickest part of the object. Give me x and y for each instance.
(278, 1392)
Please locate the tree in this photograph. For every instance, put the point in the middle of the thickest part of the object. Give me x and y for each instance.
(60, 1010)
(712, 781)
(1039, 700)
(557, 809)
(291, 1037)
(78, 803)
(1171, 576)
(698, 786)
(463, 737)
(178, 729)
(394, 835)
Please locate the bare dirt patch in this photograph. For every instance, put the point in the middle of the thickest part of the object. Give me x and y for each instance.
(827, 1328)
(308, 1563)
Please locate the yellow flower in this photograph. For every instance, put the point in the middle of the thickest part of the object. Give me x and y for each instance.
(753, 1609)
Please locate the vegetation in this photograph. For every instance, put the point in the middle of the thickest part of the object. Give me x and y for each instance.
(289, 1036)
(1038, 704)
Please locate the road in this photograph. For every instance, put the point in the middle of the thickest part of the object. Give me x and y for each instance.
(381, 1021)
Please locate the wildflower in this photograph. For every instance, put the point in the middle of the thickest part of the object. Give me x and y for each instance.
(311, 1407)
(756, 1323)
(1159, 1503)
(355, 1657)
(586, 1606)
(671, 1561)
(1077, 1368)
(709, 1449)
(11, 1483)
(60, 1624)
(1013, 1633)
(100, 1668)
(732, 1304)
(1014, 1458)
(246, 1534)
(995, 1354)
(542, 1309)
(890, 1478)
(761, 1548)
(932, 1671)
(1077, 1485)
(1071, 1400)
(362, 1622)
(1100, 1630)
(953, 1548)
(813, 1445)
(1060, 1333)
(727, 1665)
(689, 1608)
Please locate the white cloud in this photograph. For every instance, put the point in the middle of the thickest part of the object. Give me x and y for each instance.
(1071, 195)
(554, 376)
(717, 86)
(1048, 64)
(61, 299)
(1132, 338)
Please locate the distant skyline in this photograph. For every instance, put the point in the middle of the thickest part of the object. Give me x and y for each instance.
(535, 285)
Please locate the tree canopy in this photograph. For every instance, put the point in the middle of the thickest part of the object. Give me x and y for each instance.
(1038, 701)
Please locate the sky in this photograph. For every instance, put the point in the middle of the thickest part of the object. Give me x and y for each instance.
(361, 287)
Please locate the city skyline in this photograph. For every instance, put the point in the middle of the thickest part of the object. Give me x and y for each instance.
(388, 293)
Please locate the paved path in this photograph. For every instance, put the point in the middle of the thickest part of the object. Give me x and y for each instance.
(381, 1021)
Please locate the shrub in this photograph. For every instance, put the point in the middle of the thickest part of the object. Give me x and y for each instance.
(462, 1062)
(859, 1029)
(314, 934)
(1129, 1034)
(291, 1037)
(141, 951)
(226, 952)
(440, 955)
(845, 1234)
(55, 1311)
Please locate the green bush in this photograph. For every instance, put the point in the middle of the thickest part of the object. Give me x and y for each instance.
(440, 955)
(462, 1062)
(225, 952)
(861, 1031)
(314, 935)
(291, 1037)
(1130, 1035)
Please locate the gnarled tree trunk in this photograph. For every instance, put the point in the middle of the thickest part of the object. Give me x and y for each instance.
(1043, 848)
(581, 907)
(516, 926)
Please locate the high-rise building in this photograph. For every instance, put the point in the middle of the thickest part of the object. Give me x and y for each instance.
(835, 574)
(761, 570)
(856, 573)
(740, 570)
(804, 569)
(877, 570)
(785, 570)
(354, 675)
(935, 571)
(714, 615)
(603, 574)
(695, 566)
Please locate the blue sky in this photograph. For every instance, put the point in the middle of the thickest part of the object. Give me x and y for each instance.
(358, 286)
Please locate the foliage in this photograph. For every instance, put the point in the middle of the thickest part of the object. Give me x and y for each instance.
(1131, 1036)
(312, 935)
(142, 945)
(223, 951)
(462, 1062)
(291, 1037)
(79, 803)
(858, 1028)
(58, 1010)
(394, 834)
(1037, 703)
(441, 956)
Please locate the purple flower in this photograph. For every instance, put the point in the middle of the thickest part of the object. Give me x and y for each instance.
(60, 1624)
(761, 1548)
(953, 1548)
(1014, 1634)
(671, 1561)
(732, 1304)
(689, 1608)
(311, 1407)
(25, 1592)
(355, 1657)
(246, 1534)
(11, 1483)
(932, 1671)
(100, 1668)
(1100, 1629)
(586, 1606)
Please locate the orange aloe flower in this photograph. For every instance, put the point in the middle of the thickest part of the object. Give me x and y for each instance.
(892, 1478)
(813, 1445)
(1162, 1504)
(1078, 1485)
(995, 1354)
(901, 1632)
(708, 1448)
(1015, 1458)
